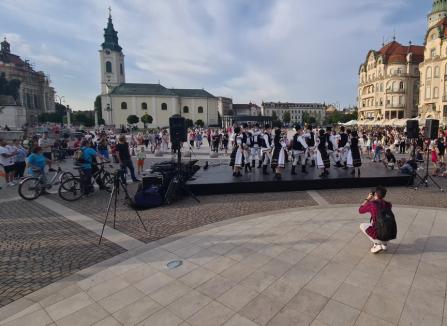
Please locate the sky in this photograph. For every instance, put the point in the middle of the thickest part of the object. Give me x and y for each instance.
(249, 50)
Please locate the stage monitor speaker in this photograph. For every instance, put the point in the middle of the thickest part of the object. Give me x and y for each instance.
(412, 129)
(431, 128)
(178, 129)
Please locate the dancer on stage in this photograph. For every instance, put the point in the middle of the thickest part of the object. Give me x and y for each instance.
(266, 148)
(279, 155)
(354, 159)
(323, 161)
(343, 147)
(246, 146)
(311, 141)
(299, 150)
(237, 155)
(256, 146)
(330, 139)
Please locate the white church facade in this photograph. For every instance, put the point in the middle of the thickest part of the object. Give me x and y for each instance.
(120, 99)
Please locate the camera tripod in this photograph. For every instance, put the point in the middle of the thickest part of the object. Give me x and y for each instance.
(424, 180)
(117, 185)
(179, 180)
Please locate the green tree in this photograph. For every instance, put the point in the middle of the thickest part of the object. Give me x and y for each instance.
(200, 123)
(309, 119)
(286, 117)
(146, 119)
(50, 117)
(132, 119)
(274, 116)
(84, 118)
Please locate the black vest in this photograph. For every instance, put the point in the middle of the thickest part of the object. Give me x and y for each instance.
(330, 146)
(296, 145)
(311, 140)
(343, 140)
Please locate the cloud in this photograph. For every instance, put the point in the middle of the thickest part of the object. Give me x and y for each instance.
(285, 50)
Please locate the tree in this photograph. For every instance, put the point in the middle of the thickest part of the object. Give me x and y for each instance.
(307, 118)
(286, 117)
(132, 119)
(10, 87)
(84, 118)
(98, 108)
(146, 119)
(274, 116)
(50, 117)
(200, 123)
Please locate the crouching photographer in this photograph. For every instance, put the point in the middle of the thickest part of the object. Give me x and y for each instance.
(382, 227)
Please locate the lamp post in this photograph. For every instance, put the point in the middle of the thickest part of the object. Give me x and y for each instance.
(61, 100)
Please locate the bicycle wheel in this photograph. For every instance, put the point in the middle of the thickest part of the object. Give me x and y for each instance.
(108, 181)
(70, 189)
(30, 188)
(65, 176)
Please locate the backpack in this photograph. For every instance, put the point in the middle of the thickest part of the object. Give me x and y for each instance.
(78, 157)
(386, 227)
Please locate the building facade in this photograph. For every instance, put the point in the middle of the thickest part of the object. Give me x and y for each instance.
(225, 106)
(296, 111)
(250, 109)
(389, 82)
(433, 90)
(36, 95)
(121, 99)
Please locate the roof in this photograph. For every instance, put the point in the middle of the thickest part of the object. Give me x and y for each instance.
(142, 89)
(439, 5)
(441, 25)
(394, 52)
(191, 92)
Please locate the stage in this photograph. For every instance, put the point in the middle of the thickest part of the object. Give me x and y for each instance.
(219, 180)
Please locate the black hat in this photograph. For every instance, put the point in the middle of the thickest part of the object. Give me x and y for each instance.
(278, 131)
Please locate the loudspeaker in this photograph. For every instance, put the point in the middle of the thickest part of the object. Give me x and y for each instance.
(431, 128)
(412, 129)
(178, 129)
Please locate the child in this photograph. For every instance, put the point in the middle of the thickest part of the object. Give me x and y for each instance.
(141, 155)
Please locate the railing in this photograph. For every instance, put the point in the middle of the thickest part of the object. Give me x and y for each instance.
(395, 106)
(397, 91)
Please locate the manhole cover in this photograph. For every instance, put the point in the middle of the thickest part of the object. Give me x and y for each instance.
(174, 264)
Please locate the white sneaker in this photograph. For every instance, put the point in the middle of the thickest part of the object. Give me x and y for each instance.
(376, 248)
(384, 247)
(11, 184)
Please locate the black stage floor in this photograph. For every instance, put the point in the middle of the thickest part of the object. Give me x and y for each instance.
(219, 180)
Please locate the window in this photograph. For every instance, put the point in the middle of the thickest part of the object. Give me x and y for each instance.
(400, 114)
(432, 53)
(143, 106)
(123, 105)
(381, 87)
(437, 72)
(121, 69)
(401, 85)
(435, 92)
(164, 106)
(108, 67)
(428, 92)
(200, 109)
(428, 73)
(185, 109)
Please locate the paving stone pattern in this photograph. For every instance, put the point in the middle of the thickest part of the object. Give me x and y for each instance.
(39, 247)
(186, 214)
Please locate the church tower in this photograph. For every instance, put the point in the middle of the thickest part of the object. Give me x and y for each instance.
(111, 58)
(438, 12)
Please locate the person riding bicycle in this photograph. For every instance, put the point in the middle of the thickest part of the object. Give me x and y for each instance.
(36, 163)
(89, 167)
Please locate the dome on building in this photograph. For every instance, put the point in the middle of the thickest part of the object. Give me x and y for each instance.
(439, 5)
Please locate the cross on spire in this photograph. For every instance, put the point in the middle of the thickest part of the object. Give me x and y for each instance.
(110, 12)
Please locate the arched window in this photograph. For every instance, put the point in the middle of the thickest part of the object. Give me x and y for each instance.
(428, 91)
(200, 109)
(185, 109)
(143, 106)
(123, 105)
(381, 87)
(108, 67)
(436, 71)
(428, 73)
(164, 106)
(394, 86)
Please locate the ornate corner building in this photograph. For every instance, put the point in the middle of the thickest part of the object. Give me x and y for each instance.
(433, 90)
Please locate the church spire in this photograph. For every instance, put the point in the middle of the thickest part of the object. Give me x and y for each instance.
(5, 47)
(111, 36)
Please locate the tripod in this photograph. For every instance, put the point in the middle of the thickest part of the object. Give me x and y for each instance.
(178, 181)
(117, 185)
(427, 176)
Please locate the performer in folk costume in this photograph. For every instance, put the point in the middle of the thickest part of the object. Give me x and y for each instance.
(237, 155)
(323, 161)
(329, 144)
(256, 135)
(333, 143)
(279, 155)
(354, 158)
(343, 147)
(299, 150)
(266, 148)
(246, 144)
(311, 140)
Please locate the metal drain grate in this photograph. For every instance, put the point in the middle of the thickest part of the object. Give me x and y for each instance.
(174, 264)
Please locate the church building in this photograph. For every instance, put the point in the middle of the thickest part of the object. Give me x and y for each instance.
(120, 99)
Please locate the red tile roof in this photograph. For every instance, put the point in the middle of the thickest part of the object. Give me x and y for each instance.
(395, 52)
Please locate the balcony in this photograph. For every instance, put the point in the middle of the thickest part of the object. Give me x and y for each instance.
(395, 106)
(397, 91)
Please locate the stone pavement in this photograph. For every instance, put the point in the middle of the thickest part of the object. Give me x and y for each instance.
(300, 266)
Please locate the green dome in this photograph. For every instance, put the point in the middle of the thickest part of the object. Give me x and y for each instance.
(439, 5)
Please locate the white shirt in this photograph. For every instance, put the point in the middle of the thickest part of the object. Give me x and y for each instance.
(6, 161)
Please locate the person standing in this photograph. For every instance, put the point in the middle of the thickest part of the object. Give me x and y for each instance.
(266, 149)
(141, 156)
(7, 156)
(237, 155)
(299, 149)
(255, 147)
(323, 161)
(279, 154)
(354, 158)
(47, 144)
(125, 159)
(20, 159)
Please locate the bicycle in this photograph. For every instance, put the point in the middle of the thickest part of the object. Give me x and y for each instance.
(32, 187)
(70, 189)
